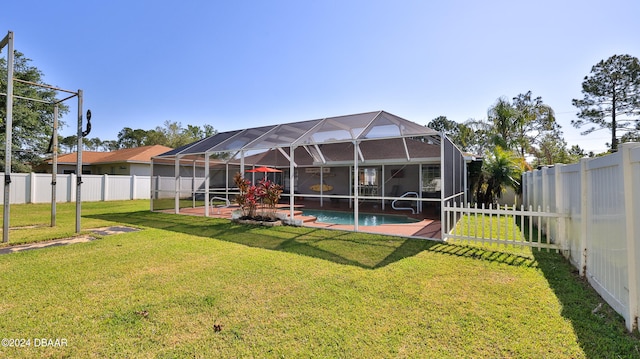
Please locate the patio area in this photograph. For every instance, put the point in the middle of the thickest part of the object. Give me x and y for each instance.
(427, 225)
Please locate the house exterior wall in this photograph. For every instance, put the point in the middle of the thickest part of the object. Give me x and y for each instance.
(140, 169)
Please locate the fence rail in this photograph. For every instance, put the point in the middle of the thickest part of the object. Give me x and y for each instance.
(513, 226)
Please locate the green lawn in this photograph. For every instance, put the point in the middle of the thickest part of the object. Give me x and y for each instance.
(289, 292)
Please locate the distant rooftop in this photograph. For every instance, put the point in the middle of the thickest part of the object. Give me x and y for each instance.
(131, 155)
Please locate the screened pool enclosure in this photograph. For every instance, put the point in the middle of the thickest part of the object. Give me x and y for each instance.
(373, 158)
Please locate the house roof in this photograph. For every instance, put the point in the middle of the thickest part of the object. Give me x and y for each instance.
(131, 155)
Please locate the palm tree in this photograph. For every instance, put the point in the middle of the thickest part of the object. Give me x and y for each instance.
(503, 117)
(501, 169)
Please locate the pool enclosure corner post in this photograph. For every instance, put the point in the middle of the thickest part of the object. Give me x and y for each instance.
(292, 197)
(8, 41)
(420, 179)
(206, 184)
(193, 185)
(176, 173)
(356, 189)
(382, 188)
(151, 186)
(443, 221)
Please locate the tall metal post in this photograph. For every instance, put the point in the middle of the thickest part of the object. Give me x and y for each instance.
(207, 181)
(8, 40)
(79, 165)
(356, 188)
(292, 180)
(54, 166)
(152, 187)
(443, 220)
(176, 173)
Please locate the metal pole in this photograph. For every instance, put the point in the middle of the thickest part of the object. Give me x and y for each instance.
(151, 186)
(226, 180)
(79, 165)
(176, 174)
(54, 166)
(443, 220)
(8, 137)
(193, 185)
(356, 189)
(207, 181)
(292, 179)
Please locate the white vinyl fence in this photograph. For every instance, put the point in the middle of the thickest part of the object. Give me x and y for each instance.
(36, 188)
(599, 202)
(502, 225)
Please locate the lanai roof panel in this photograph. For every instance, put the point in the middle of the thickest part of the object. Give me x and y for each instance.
(338, 129)
(283, 135)
(386, 125)
(211, 142)
(242, 139)
(364, 126)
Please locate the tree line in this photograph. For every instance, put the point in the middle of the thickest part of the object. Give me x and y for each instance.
(171, 134)
(524, 127)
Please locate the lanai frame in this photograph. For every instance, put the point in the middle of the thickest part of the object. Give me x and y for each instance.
(257, 145)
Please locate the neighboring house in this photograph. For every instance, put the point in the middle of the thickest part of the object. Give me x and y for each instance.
(128, 161)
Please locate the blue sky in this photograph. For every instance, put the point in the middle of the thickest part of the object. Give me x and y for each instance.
(237, 64)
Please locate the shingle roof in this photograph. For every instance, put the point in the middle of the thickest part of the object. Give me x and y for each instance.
(138, 155)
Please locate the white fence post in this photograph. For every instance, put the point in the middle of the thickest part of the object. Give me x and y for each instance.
(134, 185)
(560, 221)
(584, 216)
(545, 199)
(630, 232)
(72, 187)
(32, 184)
(535, 190)
(105, 187)
(524, 188)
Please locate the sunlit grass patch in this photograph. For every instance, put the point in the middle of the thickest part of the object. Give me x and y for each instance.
(295, 292)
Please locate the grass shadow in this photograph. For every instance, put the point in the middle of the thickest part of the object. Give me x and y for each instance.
(600, 330)
(484, 254)
(368, 251)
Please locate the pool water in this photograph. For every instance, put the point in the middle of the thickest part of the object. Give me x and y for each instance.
(364, 219)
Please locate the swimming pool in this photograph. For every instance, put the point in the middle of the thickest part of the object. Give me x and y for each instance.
(364, 219)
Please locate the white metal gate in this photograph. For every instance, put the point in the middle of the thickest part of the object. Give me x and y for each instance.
(504, 225)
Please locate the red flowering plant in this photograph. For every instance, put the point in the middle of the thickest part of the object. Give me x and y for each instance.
(266, 193)
(247, 198)
(270, 192)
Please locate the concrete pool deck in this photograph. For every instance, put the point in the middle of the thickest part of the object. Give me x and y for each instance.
(428, 228)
